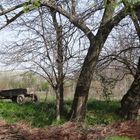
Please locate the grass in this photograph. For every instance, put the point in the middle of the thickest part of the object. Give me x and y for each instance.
(102, 112)
(43, 114)
(118, 138)
(38, 115)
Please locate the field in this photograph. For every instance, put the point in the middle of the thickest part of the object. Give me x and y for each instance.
(43, 114)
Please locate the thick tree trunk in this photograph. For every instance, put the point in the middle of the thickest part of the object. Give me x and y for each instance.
(78, 110)
(130, 103)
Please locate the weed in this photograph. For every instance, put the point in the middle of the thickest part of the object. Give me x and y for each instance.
(102, 112)
(43, 113)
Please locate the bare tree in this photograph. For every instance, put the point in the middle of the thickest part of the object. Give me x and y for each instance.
(109, 19)
(124, 57)
(45, 49)
(130, 103)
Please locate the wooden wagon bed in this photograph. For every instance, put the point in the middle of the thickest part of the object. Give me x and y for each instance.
(17, 95)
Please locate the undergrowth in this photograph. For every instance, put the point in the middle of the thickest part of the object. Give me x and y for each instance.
(43, 114)
(102, 112)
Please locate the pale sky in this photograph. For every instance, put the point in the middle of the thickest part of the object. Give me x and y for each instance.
(6, 35)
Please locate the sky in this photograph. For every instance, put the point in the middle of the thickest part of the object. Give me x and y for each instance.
(6, 35)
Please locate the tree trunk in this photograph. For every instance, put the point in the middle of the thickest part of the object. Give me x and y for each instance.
(61, 92)
(59, 101)
(130, 103)
(60, 64)
(57, 106)
(78, 110)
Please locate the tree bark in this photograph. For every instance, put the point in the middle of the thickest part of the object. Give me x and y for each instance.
(59, 102)
(60, 67)
(57, 106)
(81, 94)
(78, 109)
(130, 103)
(59, 89)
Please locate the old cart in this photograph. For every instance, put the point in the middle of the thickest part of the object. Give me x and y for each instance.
(17, 95)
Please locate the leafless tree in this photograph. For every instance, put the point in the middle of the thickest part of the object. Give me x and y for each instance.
(125, 57)
(46, 47)
(111, 14)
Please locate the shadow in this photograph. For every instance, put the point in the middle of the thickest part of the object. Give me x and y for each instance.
(108, 107)
(102, 112)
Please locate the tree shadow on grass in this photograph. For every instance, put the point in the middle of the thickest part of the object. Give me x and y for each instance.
(102, 112)
(108, 107)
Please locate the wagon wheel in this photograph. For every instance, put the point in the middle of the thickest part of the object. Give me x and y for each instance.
(14, 99)
(34, 98)
(20, 99)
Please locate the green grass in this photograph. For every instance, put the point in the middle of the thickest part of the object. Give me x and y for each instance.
(102, 112)
(43, 114)
(37, 115)
(118, 138)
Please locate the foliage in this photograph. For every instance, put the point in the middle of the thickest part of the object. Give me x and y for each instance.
(35, 4)
(131, 1)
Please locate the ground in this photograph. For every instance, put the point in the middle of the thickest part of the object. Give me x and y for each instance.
(69, 131)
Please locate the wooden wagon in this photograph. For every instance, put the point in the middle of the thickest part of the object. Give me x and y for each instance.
(17, 95)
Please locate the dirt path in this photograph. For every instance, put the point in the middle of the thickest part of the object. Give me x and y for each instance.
(69, 131)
